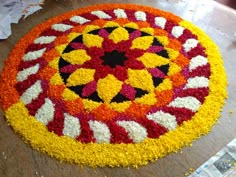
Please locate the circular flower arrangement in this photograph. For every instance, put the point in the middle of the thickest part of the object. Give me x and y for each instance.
(113, 85)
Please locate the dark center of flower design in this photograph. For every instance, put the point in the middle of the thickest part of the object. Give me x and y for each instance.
(100, 68)
(114, 58)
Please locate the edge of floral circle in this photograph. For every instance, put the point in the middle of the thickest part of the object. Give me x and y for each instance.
(143, 152)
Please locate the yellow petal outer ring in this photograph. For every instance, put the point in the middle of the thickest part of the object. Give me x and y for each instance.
(92, 154)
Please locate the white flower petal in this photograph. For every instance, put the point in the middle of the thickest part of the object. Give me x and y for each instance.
(34, 55)
(24, 74)
(197, 61)
(120, 13)
(61, 27)
(44, 39)
(190, 44)
(139, 15)
(100, 131)
(31, 93)
(197, 82)
(160, 21)
(165, 119)
(45, 113)
(71, 126)
(136, 131)
(79, 19)
(100, 14)
(188, 102)
(177, 31)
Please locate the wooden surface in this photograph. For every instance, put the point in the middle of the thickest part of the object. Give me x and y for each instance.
(18, 159)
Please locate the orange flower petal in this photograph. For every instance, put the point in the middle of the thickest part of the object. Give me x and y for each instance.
(181, 61)
(74, 107)
(164, 97)
(137, 110)
(56, 91)
(178, 80)
(50, 55)
(174, 44)
(103, 112)
(47, 72)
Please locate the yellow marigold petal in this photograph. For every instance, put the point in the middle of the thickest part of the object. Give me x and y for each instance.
(174, 68)
(119, 34)
(69, 95)
(56, 79)
(165, 85)
(172, 53)
(60, 48)
(148, 30)
(72, 36)
(89, 105)
(111, 24)
(76, 56)
(108, 88)
(131, 25)
(54, 63)
(81, 76)
(142, 42)
(140, 79)
(149, 99)
(120, 107)
(163, 39)
(89, 28)
(151, 60)
(91, 40)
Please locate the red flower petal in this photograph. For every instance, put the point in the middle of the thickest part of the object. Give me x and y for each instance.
(128, 91)
(69, 68)
(134, 64)
(134, 34)
(134, 53)
(108, 45)
(154, 49)
(89, 89)
(156, 73)
(103, 33)
(120, 73)
(77, 45)
(95, 52)
(123, 46)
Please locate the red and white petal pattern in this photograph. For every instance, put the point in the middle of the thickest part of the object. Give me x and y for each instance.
(160, 21)
(79, 19)
(141, 16)
(101, 14)
(197, 61)
(197, 82)
(44, 39)
(120, 13)
(102, 132)
(190, 44)
(45, 113)
(165, 119)
(25, 73)
(71, 126)
(31, 93)
(177, 31)
(61, 27)
(33, 55)
(100, 84)
(136, 131)
(189, 102)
